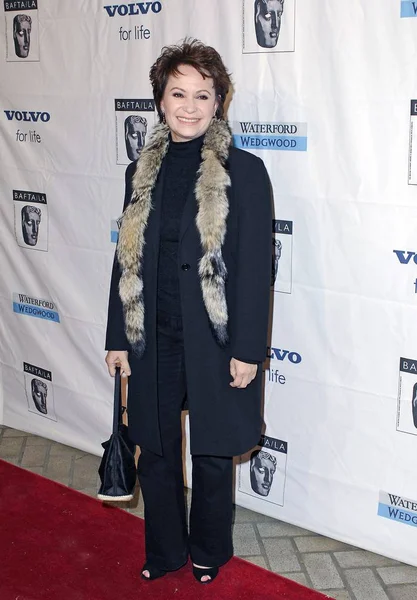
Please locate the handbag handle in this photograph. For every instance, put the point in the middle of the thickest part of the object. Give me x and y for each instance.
(117, 405)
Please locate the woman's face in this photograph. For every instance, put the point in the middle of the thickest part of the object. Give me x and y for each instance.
(189, 103)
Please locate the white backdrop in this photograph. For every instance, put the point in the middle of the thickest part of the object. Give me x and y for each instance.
(327, 107)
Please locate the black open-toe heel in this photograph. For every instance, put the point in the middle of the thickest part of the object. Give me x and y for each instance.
(154, 572)
(200, 573)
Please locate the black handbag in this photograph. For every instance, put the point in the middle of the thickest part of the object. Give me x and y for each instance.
(117, 469)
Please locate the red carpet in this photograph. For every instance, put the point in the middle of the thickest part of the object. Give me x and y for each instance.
(59, 544)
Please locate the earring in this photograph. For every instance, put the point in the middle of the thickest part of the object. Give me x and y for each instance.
(163, 118)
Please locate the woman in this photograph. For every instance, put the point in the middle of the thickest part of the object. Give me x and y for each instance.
(188, 309)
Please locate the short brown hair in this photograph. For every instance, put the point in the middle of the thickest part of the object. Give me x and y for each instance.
(205, 59)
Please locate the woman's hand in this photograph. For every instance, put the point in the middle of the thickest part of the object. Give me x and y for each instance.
(242, 373)
(118, 358)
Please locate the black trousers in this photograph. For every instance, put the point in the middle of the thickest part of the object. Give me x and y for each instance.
(168, 543)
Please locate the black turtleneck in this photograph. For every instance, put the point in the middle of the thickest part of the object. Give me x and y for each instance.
(182, 162)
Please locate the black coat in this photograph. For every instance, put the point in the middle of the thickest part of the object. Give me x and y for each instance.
(224, 421)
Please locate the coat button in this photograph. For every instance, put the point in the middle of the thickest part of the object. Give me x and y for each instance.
(185, 267)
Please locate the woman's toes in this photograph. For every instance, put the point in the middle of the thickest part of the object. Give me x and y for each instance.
(146, 574)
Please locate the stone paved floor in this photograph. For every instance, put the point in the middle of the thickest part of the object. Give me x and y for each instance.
(340, 571)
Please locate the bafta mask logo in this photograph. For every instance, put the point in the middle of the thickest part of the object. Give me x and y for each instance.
(268, 15)
(31, 218)
(262, 468)
(39, 394)
(276, 255)
(22, 26)
(414, 405)
(135, 134)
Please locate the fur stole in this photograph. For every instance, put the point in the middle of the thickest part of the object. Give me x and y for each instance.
(213, 207)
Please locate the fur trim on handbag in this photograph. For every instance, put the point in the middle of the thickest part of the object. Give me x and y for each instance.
(213, 208)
